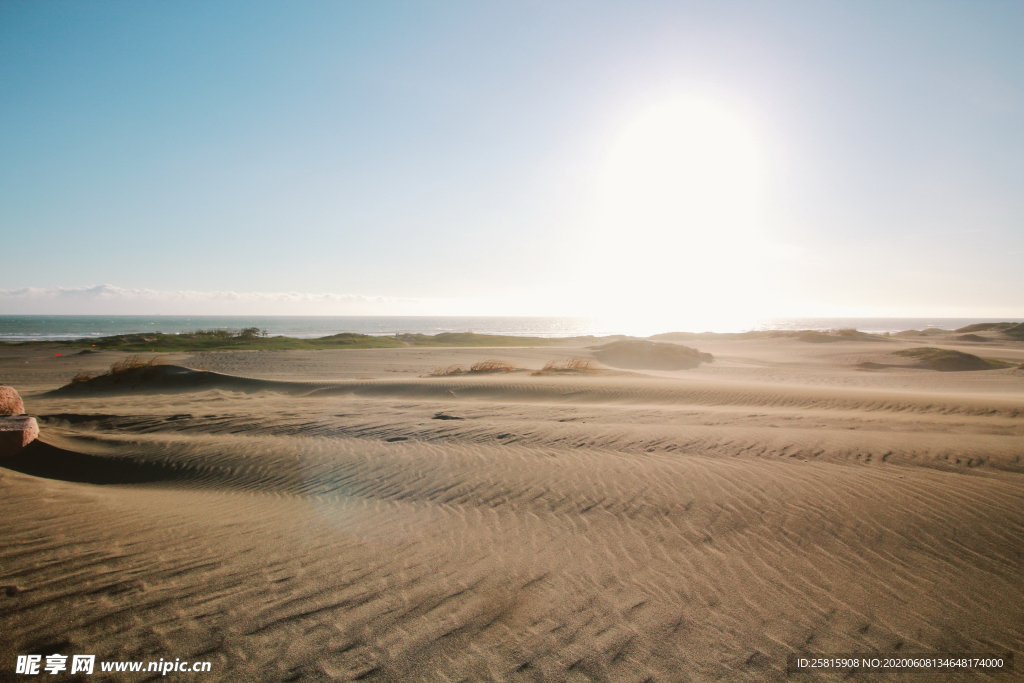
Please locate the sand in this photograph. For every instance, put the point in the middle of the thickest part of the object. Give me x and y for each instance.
(337, 515)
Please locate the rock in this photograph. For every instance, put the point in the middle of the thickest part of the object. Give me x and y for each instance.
(10, 402)
(16, 432)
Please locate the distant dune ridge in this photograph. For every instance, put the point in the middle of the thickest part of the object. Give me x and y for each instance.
(930, 332)
(950, 360)
(338, 514)
(647, 355)
(255, 339)
(1015, 330)
(802, 335)
(165, 378)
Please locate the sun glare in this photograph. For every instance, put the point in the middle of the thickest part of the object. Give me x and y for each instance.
(681, 209)
(688, 168)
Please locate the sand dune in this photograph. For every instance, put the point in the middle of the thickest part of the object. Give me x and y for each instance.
(647, 355)
(696, 525)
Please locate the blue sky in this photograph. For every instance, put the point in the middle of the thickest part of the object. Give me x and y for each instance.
(448, 158)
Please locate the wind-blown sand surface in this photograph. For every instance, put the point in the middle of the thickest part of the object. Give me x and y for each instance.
(347, 518)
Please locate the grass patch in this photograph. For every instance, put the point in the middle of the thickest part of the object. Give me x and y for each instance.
(129, 363)
(82, 377)
(480, 368)
(450, 370)
(132, 362)
(491, 365)
(472, 339)
(571, 365)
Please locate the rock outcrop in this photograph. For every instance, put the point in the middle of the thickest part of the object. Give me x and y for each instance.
(17, 430)
(10, 402)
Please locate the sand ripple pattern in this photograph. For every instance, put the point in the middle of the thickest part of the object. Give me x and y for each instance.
(506, 530)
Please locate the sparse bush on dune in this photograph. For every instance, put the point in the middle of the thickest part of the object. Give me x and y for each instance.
(492, 365)
(132, 362)
(121, 366)
(571, 365)
(450, 370)
(471, 339)
(481, 367)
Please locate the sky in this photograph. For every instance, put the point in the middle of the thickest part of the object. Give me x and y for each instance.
(697, 162)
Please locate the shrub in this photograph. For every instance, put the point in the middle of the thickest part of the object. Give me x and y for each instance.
(492, 365)
(450, 370)
(569, 365)
(132, 362)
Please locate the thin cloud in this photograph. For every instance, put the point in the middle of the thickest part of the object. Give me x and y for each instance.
(107, 299)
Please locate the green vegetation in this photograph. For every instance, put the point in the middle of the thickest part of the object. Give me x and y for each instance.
(255, 339)
(948, 360)
(471, 339)
(1015, 330)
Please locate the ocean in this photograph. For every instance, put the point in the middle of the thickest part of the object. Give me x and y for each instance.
(18, 328)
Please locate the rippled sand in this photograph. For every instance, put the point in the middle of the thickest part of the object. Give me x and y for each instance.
(346, 518)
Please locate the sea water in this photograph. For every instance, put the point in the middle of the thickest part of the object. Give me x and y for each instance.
(14, 328)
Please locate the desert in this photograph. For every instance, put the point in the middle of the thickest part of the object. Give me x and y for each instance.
(655, 341)
(353, 514)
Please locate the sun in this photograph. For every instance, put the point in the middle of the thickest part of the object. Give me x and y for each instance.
(681, 207)
(687, 168)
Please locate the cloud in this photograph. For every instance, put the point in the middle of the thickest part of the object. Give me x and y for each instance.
(107, 299)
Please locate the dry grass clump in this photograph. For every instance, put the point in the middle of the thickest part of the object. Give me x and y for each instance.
(450, 370)
(483, 366)
(569, 365)
(132, 362)
(492, 365)
(129, 363)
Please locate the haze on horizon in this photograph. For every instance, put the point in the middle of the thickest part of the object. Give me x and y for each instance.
(686, 161)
